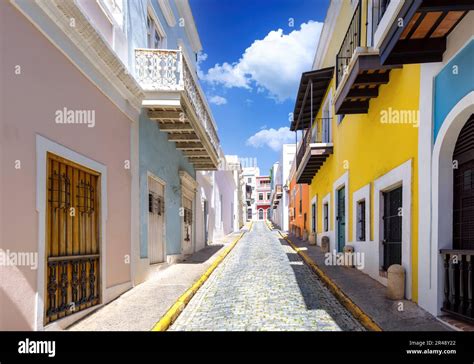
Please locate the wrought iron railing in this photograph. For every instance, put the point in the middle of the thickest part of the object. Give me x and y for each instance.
(379, 7)
(311, 136)
(168, 70)
(458, 282)
(349, 44)
(73, 284)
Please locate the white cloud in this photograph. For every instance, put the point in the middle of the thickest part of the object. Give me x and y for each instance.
(273, 138)
(218, 100)
(274, 63)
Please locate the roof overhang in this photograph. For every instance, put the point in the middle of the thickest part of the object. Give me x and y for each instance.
(305, 106)
(422, 39)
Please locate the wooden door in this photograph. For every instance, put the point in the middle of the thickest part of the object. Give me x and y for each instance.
(72, 238)
(392, 227)
(341, 219)
(156, 212)
(463, 189)
(187, 221)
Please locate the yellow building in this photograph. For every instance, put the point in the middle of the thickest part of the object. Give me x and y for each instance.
(357, 115)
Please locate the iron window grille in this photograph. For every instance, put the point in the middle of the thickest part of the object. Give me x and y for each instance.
(85, 197)
(361, 220)
(59, 191)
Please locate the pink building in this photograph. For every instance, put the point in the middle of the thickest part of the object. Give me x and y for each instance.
(263, 196)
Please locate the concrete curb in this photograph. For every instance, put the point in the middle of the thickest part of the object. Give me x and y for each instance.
(355, 310)
(172, 314)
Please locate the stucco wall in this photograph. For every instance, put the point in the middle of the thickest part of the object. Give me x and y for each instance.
(48, 82)
(161, 158)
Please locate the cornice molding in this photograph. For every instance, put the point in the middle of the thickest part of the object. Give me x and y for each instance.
(165, 7)
(189, 24)
(328, 29)
(87, 39)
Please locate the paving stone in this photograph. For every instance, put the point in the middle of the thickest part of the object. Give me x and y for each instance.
(263, 285)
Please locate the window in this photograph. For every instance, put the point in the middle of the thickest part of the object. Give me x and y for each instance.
(260, 196)
(360, 220)
(249, 214)
(249, 180)
(154, 37)
(326, 216)
(268, 195)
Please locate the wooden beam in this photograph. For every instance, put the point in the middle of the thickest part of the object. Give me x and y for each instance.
(170, 127)
(185, 137)
(189, 145)
(357, 93)
(372, 79)
(195, 153)
(171, 115)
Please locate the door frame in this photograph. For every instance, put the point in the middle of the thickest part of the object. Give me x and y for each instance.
(398, 176)
(163, 183)
(341, 182)
(43, 146)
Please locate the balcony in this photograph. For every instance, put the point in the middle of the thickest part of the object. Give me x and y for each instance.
(458, 283)
(175, 100)
(311, 155)
(422, 39)
(359, 71)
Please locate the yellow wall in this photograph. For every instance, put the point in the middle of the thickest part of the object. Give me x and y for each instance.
(370, 149)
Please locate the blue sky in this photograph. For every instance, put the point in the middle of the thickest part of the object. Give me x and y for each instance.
(253, 54)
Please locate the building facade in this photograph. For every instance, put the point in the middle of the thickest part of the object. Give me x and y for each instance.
(368, 145)
(250, 175)
(105, 176)
(280, 187)
(263, 192)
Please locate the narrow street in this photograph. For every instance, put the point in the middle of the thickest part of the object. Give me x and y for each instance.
(264, 285)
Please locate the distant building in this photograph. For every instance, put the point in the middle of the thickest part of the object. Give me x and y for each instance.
(263, 197)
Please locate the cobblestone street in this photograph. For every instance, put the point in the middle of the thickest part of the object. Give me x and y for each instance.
(264, 285)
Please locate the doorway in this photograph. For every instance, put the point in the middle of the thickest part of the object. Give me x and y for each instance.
(156, 212)
(72, 238)
(341, 219)
(392, 227)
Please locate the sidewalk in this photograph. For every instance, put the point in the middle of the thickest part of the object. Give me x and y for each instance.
(369, 296)
(140, 308)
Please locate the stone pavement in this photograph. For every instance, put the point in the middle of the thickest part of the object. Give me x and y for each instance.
(141, 307)
(264, 285)
(369, 295)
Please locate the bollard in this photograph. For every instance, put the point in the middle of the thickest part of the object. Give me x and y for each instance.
(396, 282)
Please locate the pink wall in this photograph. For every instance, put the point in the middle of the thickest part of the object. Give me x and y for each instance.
(48, 82)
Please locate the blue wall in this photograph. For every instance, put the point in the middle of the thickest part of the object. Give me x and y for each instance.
(450, 88)
(161, 158)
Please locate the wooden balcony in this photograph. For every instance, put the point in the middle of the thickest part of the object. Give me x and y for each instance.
(458, 283)
(422, 39)
(359, 71)
(310, 156)
(173, 97)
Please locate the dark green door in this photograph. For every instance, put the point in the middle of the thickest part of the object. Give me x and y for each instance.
(392, 227)
(340, 219)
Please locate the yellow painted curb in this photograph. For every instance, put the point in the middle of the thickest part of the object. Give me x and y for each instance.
(172, 314)
(269, 225)
(355, 310)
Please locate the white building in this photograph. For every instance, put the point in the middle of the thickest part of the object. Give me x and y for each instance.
(218, 199)
(280, 183)
(250, 175)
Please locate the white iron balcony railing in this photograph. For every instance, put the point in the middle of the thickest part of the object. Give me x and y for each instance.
(168, 70)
